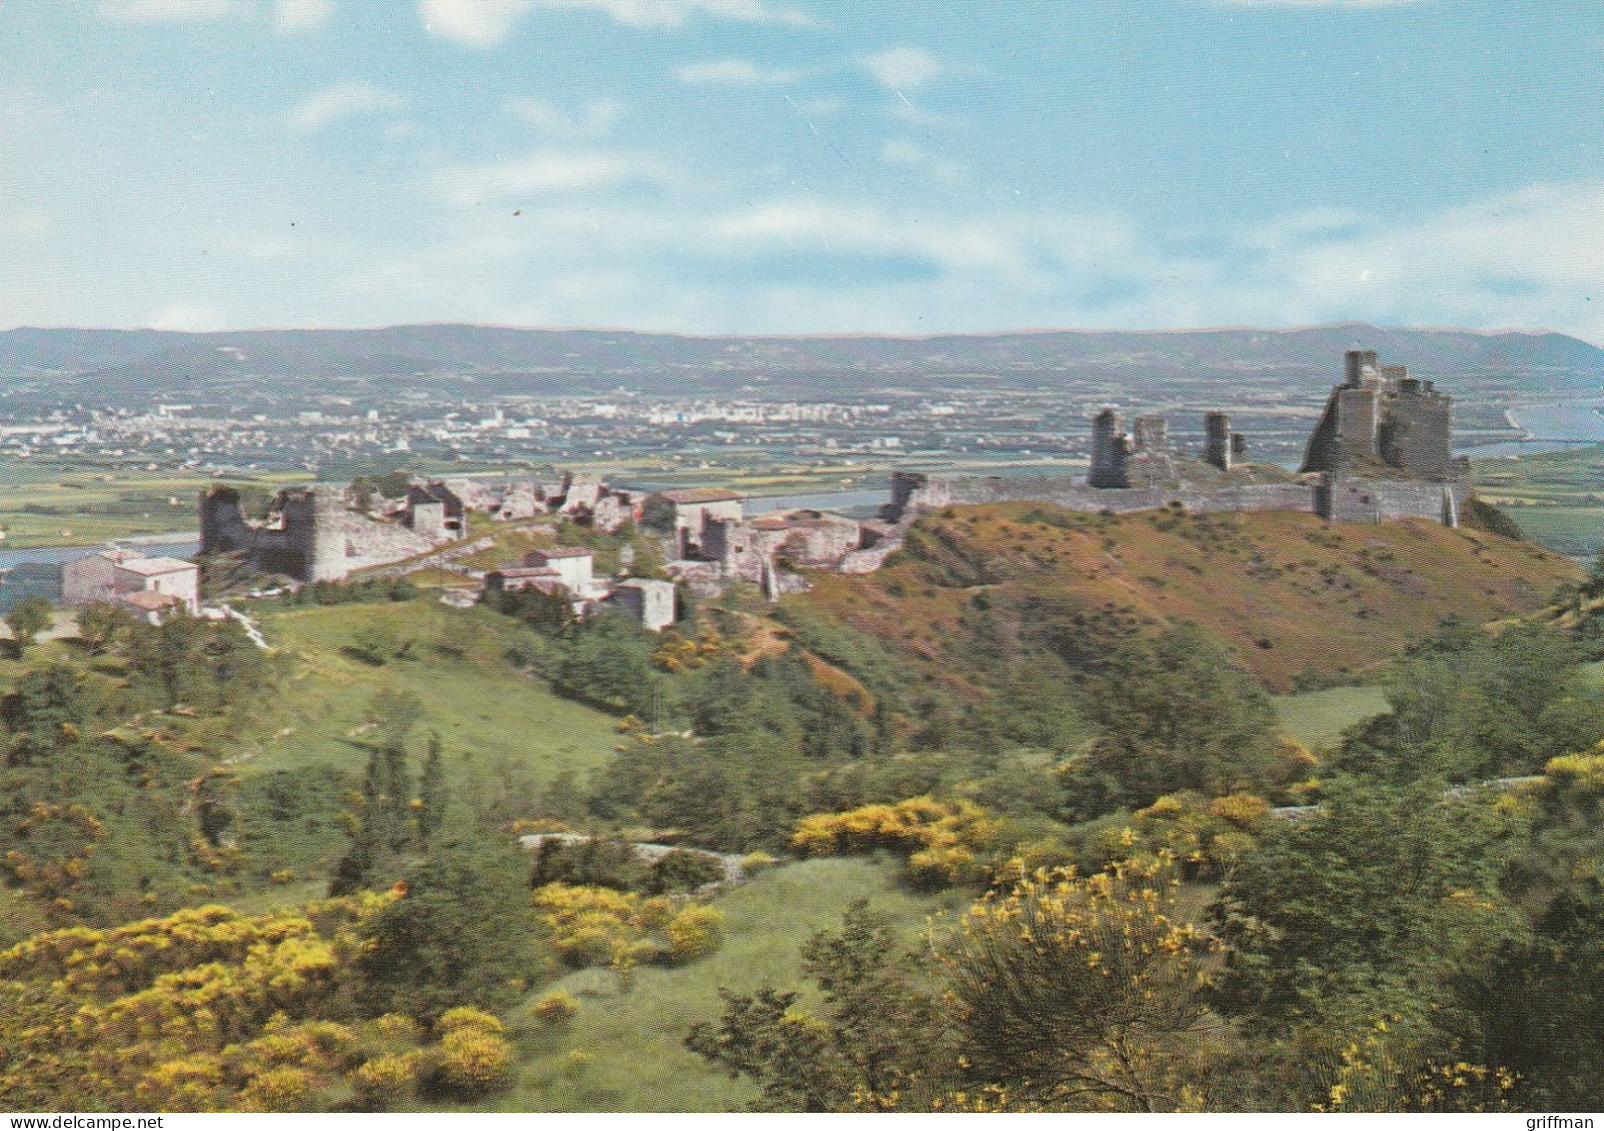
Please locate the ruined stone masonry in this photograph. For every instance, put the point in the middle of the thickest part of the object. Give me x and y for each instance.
(1379, 453)
(310, 534)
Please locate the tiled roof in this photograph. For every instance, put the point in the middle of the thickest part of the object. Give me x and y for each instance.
(150, 567)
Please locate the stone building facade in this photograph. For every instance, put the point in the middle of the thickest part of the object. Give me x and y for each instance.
(127, 577)
(310, 534)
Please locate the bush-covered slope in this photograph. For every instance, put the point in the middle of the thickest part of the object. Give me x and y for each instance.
(1287, 592)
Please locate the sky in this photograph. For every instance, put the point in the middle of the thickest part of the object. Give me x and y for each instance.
(802, 166)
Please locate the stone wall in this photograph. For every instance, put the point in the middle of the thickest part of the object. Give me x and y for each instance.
(1333, 497)
(311, 535)
(1386, 500)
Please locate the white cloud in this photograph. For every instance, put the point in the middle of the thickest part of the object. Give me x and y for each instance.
(573, 246)
(1523, 258)
(733, 72)
(301, 15)
(476, 23)
(343, 101)
(486, 23)
(168, 11)
(547, 171)
(25, 222)
(596, 120)
(903, 68)
(186, 317)
(672, 13)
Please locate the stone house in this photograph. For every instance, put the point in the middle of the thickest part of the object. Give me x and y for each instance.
(127, 577)
(686, 514)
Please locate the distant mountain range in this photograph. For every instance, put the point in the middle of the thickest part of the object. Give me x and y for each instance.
(116, 364)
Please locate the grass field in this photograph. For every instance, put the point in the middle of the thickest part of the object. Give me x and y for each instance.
(1318, 718)
(624, 1052)
(1556, 497)
(483, 708)
(52, 502)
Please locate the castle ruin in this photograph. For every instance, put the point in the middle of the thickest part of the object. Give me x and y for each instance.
(309, 534)
(1381, 451)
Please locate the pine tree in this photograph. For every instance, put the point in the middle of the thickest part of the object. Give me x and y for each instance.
(433, 792)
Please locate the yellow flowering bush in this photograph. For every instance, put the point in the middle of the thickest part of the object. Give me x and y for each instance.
(203, 1010)
(590, 926)
(1083, 988)
(942, 839)
(554, 1008)
(465, 1018)
(470, 1063)
(384, 1081)
(595, 926)
(1205, 836)
(278, 1090)
(694, 933)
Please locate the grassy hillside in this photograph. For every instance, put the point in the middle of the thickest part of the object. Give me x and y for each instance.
(504, 734)
(1318, 718)
(454, 663)
(624, 1052)
(1286, 592)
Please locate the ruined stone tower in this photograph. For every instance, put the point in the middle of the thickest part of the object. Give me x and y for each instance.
(1110, 447)
(1218, 449)
(1381, 420)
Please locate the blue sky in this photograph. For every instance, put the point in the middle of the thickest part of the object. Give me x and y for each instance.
(820, 166)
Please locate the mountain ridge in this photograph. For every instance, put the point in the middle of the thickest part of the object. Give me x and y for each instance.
(509, 360)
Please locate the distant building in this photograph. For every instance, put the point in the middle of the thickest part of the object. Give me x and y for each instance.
(129, 578)
(574, 566)
(686, 515)
(646, 601)
(435, 511)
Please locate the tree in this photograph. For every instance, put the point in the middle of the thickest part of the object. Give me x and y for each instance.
(1175, 714)
(1375, 901)
(1472, 705)
(101, 623)
(394, 714)
(880, 1042)
(461, 935)
(46, 712)
(1082, 993)
(433, 793)
(28, 618)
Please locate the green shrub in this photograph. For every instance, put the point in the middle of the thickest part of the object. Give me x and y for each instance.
(555, 1008)
(694, 933)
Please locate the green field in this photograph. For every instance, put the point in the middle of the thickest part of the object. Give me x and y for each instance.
(484, 709)
(1318, 718)
(1556, 497)
(56, 502)
(624, 1051)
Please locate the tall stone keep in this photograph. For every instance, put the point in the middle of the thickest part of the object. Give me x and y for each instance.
(1381, 420)
(1217, 447)
(1110, 447)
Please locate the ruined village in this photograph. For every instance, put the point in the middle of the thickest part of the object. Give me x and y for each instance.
(1380, 452)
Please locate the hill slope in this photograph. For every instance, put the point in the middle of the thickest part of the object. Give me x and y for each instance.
(504, 360)
(1285, 591)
